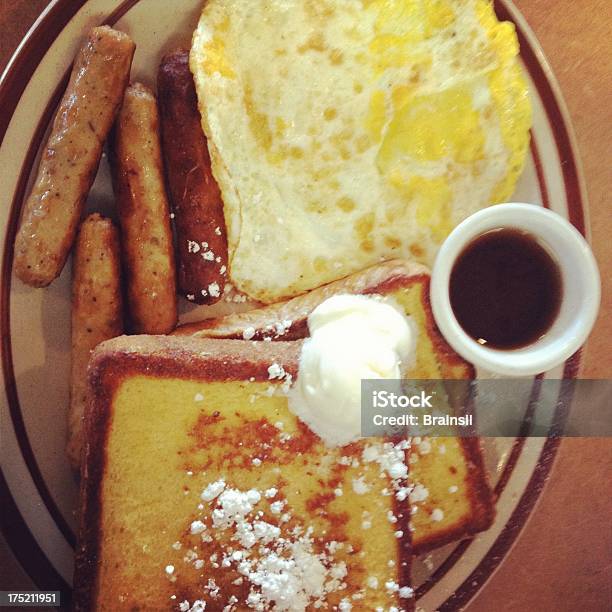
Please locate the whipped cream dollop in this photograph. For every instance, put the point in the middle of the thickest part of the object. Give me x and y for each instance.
(352, 337)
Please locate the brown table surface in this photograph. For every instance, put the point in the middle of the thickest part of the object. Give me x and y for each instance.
(563, 559)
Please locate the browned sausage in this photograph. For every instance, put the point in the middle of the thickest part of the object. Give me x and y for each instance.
(96, 312)
(144, 214)
(72, 154)
(195, 196)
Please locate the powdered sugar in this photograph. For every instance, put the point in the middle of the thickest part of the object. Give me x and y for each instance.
(280, 563)
(213, 490)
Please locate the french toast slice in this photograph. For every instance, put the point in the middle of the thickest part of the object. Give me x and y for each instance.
(450, 471)
(201, 488)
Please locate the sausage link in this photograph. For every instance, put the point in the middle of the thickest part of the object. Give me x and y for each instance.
(71, 156)
(96, 313)
(144, 214)
(194, 193)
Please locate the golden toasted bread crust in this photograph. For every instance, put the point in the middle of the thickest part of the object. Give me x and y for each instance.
(482, 501)
(385, 279)
(201, 360)
(297, 309)
(163, 357)
(479, 491)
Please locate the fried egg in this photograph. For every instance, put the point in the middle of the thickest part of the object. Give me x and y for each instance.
(346, 132)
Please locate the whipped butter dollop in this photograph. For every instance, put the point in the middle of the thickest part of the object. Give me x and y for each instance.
(352, 337)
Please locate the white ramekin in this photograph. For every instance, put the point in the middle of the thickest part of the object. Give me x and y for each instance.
(579, 300)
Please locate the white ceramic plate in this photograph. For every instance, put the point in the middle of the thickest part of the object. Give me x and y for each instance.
(39, 494)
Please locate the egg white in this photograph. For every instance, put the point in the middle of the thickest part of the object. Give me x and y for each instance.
(343, 133)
